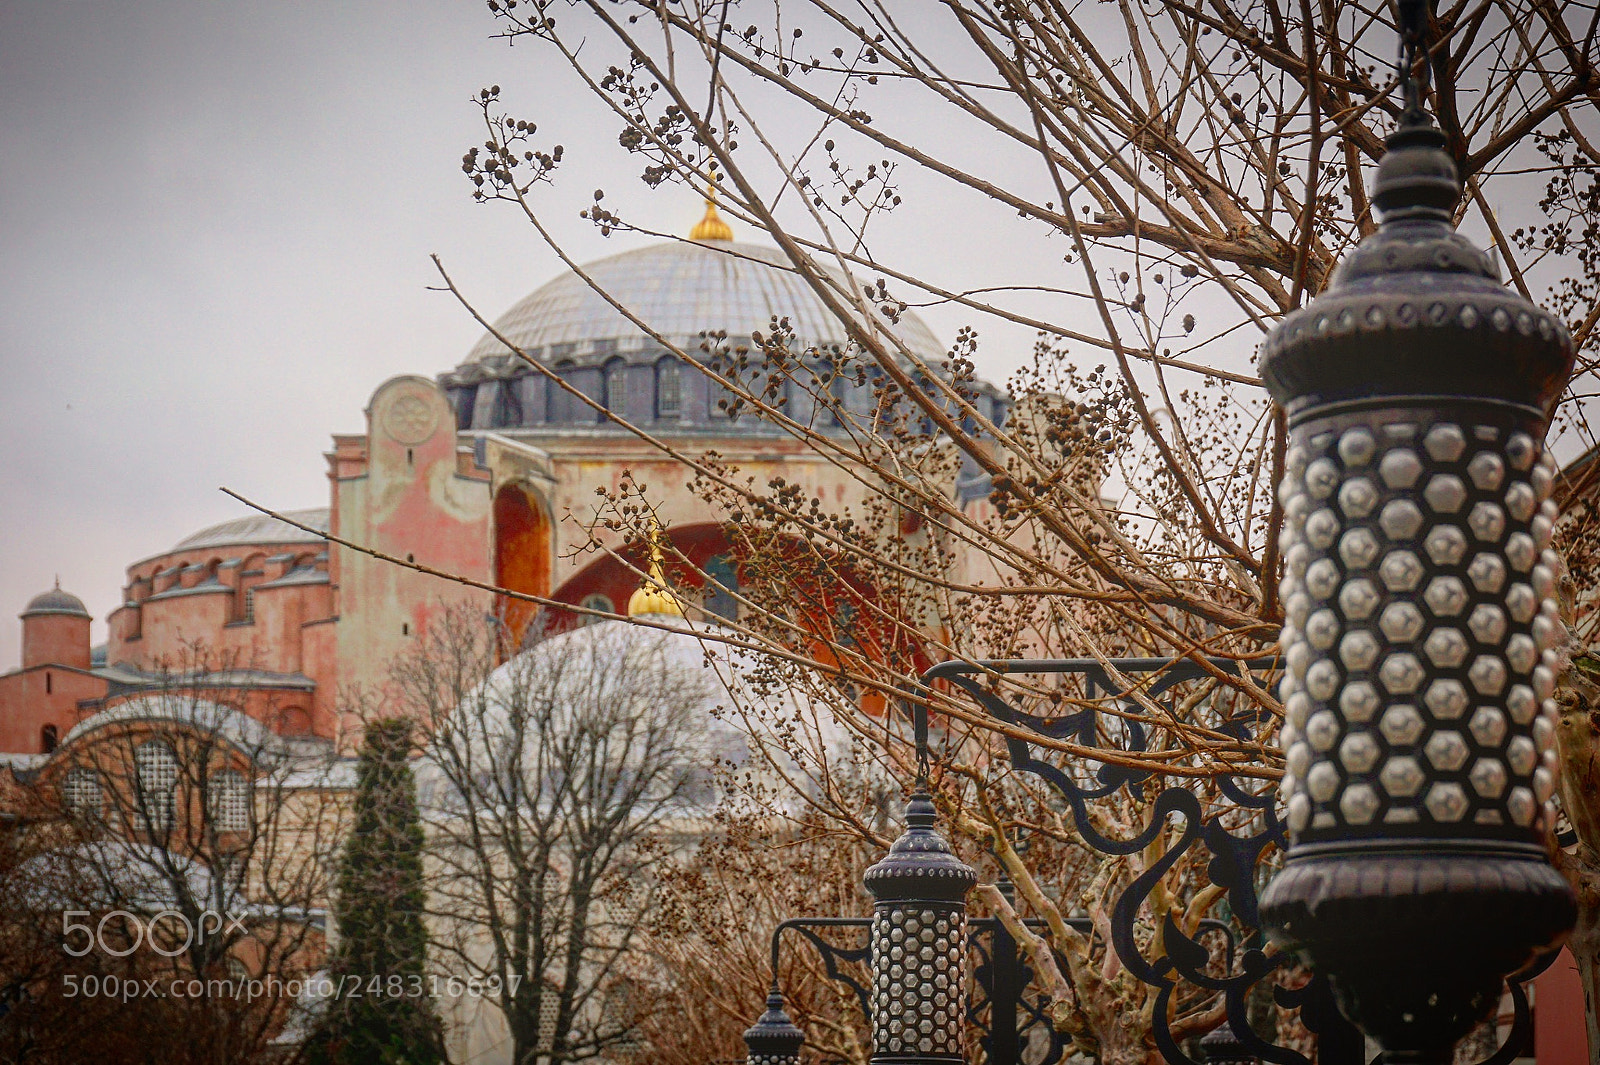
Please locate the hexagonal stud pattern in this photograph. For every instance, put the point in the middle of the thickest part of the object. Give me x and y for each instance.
(1359, 701)
(1359, 752)
(1445, 493)
(1322, 629)
(1521, 755)
(1322, 477)
(1400, 468)
(1417, 559)
(1521, 602)
(1322, 781)
(1358, 548)
(1322, 680)
(1446, 699)
(1322, 529)
(1358, 599)
(1447, 751)
(1359, 804)
(1357, 497)
(1357, 447)
(1401, 622)
(1488, 623)
(1488, 726)
(1487, 471)
(1445, 648)
(1520, 552)
(1445, 442)
(1358, 650)
(919, 962)
(1487, 522)
(1447, 802)
(1522, 654)
(1401, 674)
(1401, 777)
(1446, 545)
(1522, 704)
(1401, 725)
(1521, 501)
(1400, 571)
(1446, 596)
(1488, 675)
(1400, 520)
(1488, 777)
(1487, 573)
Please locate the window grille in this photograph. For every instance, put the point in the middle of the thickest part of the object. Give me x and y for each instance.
(669, 389)
(157, 767)
(230, 801)
(80, 792)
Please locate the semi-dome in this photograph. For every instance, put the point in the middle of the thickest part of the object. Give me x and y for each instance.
(55, 601)
(259, 529)
(681, 289)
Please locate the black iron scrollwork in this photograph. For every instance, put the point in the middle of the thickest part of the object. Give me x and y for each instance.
(1234, 853)
(1012, 1018)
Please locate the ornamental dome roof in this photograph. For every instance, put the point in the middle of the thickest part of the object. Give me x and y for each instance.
(259, 529)
(55, 601)
(682, 289)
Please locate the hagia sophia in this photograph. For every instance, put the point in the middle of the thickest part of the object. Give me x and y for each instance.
(487, 471)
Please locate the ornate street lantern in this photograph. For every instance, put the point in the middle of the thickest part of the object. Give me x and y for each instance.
(918, 944)
(1421, 629)
(1221, 1047)
(774, 1039)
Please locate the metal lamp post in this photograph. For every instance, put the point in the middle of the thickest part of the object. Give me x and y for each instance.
(1420, 627)
(918, 959)
(774, 1039)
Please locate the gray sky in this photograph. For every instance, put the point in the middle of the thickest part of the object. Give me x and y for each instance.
(215, 222)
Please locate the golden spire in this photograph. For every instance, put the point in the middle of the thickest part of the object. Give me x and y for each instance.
(711, 227)
(653, 596)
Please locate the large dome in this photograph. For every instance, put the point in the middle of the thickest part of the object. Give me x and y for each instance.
(681, 289)
(684, 290)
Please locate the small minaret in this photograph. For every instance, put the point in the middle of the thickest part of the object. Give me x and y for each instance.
(55, 630)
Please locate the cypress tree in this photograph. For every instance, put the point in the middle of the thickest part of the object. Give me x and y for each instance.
(383, 1013)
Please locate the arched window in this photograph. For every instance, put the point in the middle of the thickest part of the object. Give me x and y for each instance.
(557, 402)
(722, 582)
(294, 721)
(80, 792)
(616, 387)
(230, 801)
(157, 769)
(48, 739)
(669, 388)
(595, 602)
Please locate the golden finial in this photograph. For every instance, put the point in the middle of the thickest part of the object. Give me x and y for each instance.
(653, 596)
(711, 227)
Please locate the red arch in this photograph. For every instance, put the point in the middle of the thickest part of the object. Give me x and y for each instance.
(699, 544)
(521, 555)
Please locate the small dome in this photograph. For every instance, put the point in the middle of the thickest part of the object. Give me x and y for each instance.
(259, 529)
(55, 601)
